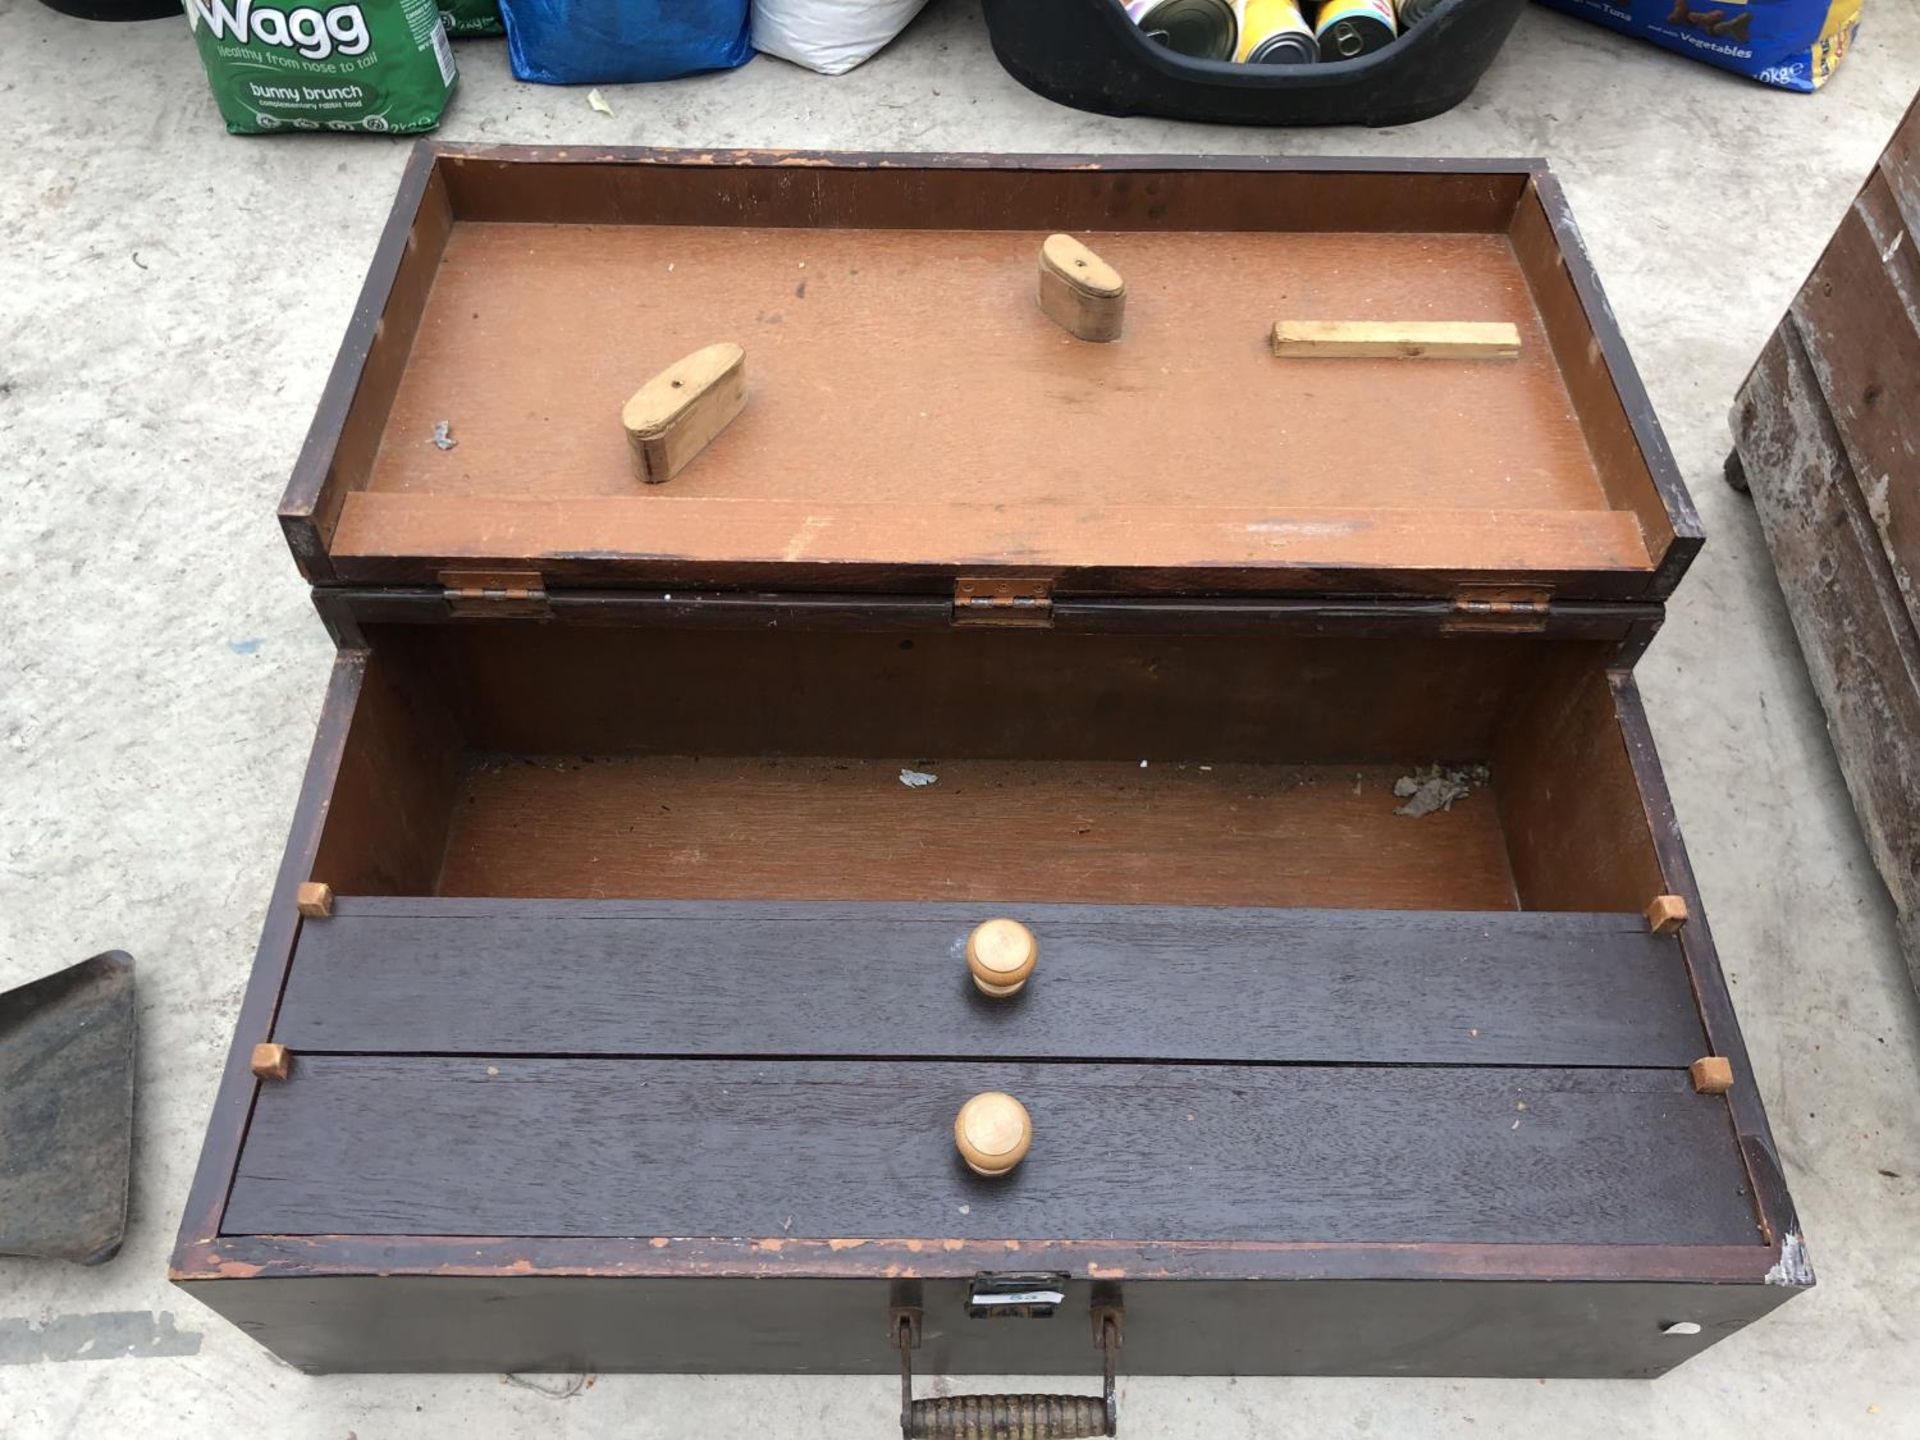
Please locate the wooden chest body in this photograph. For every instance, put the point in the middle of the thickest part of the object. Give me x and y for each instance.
(634, 1031)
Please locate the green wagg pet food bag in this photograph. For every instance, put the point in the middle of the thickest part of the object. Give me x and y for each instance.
(281, 65)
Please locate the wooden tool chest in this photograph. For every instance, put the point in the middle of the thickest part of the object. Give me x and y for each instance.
(624, 978)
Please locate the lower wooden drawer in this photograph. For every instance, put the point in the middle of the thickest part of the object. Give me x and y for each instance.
(473, 1145)
(629, 1041)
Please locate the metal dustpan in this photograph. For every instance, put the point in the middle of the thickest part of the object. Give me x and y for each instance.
(66, 1111)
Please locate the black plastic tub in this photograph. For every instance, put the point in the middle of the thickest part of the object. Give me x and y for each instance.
(1088, 54)
(115, 9)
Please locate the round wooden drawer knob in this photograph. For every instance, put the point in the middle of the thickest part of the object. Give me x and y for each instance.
(993, 1132)
(1001, 955)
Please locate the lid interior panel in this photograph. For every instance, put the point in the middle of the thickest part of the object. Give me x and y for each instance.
(912, 415)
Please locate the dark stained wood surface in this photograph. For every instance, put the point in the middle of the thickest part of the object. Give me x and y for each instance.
(1627, 447)
(1779, 1223)
(1521, 1329)
(1271, 696)
(233, 1103)
(386, 814)
(1570, 807)
(347, 425)
(691, 979)
(502, 1145)
(626, 185)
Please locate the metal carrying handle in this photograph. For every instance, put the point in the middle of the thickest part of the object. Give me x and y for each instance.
(1009, 1417)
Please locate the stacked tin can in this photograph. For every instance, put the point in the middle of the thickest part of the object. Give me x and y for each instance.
(1275, 32)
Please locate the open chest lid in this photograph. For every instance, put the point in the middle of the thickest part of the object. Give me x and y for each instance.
(915, 424)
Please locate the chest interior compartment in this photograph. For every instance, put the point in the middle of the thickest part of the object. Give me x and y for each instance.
(581, 762)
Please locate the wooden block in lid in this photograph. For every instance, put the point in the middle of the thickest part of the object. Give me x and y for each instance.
(1395, 340)
(1001, 954)
(674, 416)
(993, 1132)
(1079, 291)
(314, 899)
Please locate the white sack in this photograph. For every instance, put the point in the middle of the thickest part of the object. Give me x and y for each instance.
(831, 36)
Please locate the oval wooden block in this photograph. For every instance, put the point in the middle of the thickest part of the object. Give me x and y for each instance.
(993, 1132)
(1001, 955)
(1079, 291)
(673, 416)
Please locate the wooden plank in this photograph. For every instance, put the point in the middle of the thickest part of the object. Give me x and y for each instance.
(1630, 451)
(1395, 340)
(1857, 324)
(506, 1146)
(1856, 629)
(236, 1256)
(233, 1103)
(347, 425)
(865, 391)
(1778, 1221)
(1570, 805)
(515, 977)
(515, 1322)
(386, 808)
(1899, 168)
(731, 827)
(671, 538)
(827, 190)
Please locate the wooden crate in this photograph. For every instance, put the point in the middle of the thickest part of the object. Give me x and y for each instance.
(1826, 432)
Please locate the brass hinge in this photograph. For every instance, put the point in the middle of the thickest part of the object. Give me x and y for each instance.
(1500, 609)
(501, 594)
(993, 601)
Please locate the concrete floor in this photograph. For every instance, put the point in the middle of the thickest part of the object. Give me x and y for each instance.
(170, 300)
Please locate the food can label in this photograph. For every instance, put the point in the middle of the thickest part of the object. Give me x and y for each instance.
(1335, 11)
(1264, 21)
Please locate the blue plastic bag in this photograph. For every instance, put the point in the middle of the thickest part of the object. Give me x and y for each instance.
(609, 42)
(1794, 44)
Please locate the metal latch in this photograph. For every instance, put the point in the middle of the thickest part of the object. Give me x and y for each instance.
(1016, 600)
(502, 594)
(1499, 609)
(1026, 1295)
